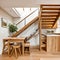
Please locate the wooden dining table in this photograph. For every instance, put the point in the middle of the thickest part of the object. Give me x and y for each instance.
(11, 39)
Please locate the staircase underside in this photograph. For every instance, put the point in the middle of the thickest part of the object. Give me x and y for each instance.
(49, 15)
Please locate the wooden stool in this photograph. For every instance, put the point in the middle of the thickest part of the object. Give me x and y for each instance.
(27, 45)
(5, 46)
(15, 48)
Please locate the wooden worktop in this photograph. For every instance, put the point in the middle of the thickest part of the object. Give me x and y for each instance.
(54, 34)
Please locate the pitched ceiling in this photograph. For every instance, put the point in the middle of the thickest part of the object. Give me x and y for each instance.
(26, 3)
(8, 4)
(11, 12)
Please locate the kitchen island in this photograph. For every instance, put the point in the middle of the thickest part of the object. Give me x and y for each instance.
(53, 43)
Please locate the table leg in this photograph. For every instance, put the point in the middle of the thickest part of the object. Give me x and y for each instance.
(8, 48)
(23, 48)
(3, 46)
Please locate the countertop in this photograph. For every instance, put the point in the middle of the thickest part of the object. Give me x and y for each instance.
(54, 34)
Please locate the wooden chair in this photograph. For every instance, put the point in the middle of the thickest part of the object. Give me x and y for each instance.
(27, 47)
(16, 49)
(5, 46)
(14, 39)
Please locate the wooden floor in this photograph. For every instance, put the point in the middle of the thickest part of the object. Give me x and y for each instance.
(34, 55)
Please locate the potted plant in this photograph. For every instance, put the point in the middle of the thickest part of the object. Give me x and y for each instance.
(12, 28)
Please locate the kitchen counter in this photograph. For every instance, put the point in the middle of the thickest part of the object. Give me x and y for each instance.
(54, 34)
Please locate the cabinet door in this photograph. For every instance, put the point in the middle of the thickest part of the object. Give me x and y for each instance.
(57, 43)
(53, 44)
(49, 43)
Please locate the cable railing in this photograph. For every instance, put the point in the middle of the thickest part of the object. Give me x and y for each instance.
(27, 19)
(31, 35)
(27, 16)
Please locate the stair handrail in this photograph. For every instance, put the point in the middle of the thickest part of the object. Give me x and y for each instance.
(27, 38)
(26, 16)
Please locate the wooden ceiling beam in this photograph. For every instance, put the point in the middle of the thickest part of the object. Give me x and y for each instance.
(50, 4)
(47, 25)
(48, 18)
(48, 21)
(50, 8)
(48, 15)
(50, 12)
(46, 28)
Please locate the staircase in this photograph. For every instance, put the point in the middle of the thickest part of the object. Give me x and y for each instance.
(25, 27)
(43, 42)
(49, 15)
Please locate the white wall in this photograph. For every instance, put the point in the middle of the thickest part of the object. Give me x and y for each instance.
(4, 31)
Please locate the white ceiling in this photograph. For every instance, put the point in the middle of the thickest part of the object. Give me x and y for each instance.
(11, 12)
(8, 4)
(26, 3)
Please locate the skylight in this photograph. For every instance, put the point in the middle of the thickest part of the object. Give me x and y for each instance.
(24, 11)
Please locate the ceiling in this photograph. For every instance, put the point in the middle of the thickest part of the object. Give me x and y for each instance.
(26, 3)
(8, 4)
(11, 12)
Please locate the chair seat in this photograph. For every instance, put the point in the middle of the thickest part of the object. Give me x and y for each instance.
(16, 46)
(14, 49)
(27, 44)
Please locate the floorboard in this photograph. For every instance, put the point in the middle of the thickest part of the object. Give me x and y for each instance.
(34, 55)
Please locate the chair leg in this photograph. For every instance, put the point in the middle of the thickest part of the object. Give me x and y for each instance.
(19, 51)
(15, 52)
(3, 48)
(29, 50)
(12, 51)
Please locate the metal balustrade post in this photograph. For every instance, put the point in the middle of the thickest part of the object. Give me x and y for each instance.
(25, 22)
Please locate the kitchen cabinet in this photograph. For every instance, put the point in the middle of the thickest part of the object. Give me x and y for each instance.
(53, 43)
